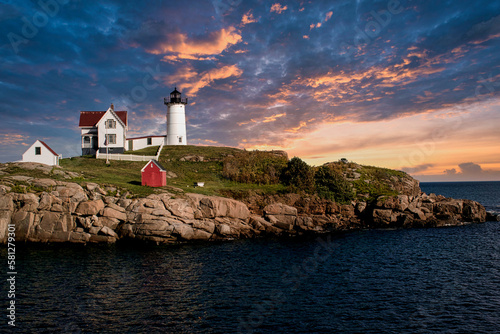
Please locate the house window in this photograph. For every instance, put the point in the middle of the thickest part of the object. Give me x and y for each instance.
(86, 140)
(110, 124)
(38, 151)
(150, 141)
(110, 139)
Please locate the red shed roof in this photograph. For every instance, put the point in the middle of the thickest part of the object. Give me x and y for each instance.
(48, 148)
(91, 118)
(155, 162)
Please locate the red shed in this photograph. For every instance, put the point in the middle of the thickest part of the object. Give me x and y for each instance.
(153, 174)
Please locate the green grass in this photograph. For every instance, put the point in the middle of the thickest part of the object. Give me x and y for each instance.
(123, 174)
(126, 175)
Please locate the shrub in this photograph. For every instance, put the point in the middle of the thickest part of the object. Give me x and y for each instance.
(298, 176)
(254, 167)
(330, 184)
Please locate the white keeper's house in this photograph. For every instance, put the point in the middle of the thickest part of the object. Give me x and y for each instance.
(106, 131)
(103, 131)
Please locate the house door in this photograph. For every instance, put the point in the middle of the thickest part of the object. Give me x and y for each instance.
(130, 145)
(95, 143)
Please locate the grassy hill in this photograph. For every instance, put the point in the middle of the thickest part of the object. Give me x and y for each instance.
(225, 171)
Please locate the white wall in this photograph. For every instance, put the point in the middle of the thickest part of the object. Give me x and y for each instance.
(45, 157)
(141, 143)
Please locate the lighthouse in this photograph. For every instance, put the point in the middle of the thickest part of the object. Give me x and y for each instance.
(176, 118)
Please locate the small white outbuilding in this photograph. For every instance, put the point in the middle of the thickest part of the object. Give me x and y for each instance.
(41, 153)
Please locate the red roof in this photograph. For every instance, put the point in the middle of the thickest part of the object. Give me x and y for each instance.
(48, 148)
(91, 118)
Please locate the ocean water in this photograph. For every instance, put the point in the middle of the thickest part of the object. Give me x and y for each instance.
(436, 280)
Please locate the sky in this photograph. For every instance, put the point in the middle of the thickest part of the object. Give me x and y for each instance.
(410, 85)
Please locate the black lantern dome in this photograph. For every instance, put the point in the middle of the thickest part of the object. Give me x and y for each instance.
(175, 97)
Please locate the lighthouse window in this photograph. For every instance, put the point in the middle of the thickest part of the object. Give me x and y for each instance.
(180, 139)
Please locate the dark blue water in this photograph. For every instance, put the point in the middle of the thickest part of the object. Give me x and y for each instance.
(441, 280)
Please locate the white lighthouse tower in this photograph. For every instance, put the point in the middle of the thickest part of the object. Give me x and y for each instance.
(176, 119)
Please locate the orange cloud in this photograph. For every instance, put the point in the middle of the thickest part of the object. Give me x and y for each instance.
(178, 46)
(338, 88)
(273, 118)
(248, 18)
(328, 16)
(490, 37)
(9, 139)
(278, 8)
(192, 81)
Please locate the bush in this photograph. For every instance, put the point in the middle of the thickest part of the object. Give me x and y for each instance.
(298, 175)
(330, 184)
(254, 167)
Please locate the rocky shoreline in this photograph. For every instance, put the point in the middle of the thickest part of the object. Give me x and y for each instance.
(67, 212)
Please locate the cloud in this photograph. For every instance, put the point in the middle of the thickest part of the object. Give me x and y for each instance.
(470, 168)
(179, 46)
(328, 16)
(417, 169)
(189, 79)
(468, 171)
(452, 171)
(277, 8)
(248, 18)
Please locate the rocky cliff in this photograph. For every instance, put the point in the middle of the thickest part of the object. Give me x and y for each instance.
(53, 211)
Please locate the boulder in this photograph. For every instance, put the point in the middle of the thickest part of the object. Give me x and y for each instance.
(6, 203)
(201, 235)
(94, 230)
(280, 209)
(401, 203)
(79, 237)
(49, 220)
(213, 206)
(102, 239)
(113, 213)
(45, 202)
(179, 207)
(5, 219)
(71, 192)
(23, 221)
(116, 207)
(360, 207)
(224, 230)
(89, 208)
(28, 202)
(205, 225)
(112, 223)
(107, 231)
(46, 184)
(384, 216)
(258, 223)
(184, 231)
